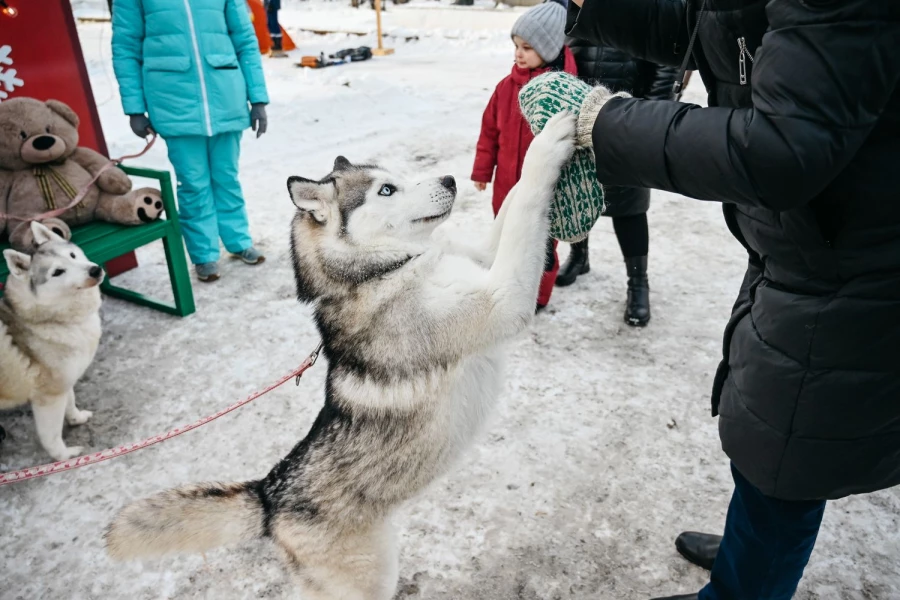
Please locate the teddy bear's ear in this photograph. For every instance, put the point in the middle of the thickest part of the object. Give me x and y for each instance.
(64, 111)
(17, 262)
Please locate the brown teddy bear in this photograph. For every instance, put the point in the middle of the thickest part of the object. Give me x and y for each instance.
(42, 168)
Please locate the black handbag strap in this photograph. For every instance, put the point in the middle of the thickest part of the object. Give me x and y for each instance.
(679, 81)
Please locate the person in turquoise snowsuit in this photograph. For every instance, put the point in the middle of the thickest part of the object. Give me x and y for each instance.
(191, 71)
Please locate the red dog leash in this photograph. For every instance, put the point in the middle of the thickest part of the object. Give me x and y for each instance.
(113, 162)
(109, 453)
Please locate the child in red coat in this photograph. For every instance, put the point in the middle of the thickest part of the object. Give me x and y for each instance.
(539, 36)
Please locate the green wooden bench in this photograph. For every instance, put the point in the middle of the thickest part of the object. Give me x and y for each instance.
(102, 242)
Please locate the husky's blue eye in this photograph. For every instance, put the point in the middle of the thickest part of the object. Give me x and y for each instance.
(58, 272)
(387, 190)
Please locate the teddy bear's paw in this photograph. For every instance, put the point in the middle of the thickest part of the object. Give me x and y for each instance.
(148, 205)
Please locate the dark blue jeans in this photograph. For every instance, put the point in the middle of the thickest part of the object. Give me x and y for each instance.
(766, 546)
(272, 23)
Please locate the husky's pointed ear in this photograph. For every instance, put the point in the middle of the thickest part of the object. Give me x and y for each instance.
(43, 234)
(17, 262)
(311, 196)
(342, 164)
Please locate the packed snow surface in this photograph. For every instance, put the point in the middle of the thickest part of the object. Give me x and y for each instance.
(602, 450)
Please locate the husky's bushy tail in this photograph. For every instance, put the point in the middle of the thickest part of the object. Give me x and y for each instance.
(193, 518)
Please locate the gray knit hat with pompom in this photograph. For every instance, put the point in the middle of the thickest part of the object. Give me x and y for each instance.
(544, 28)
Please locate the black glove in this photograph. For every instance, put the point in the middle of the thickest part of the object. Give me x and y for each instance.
(140, 125)
(258, 119)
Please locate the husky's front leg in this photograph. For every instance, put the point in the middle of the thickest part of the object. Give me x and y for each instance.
(484, 253)
(522, 246)
(49, 412)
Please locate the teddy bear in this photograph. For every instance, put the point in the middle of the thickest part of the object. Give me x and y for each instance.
(43, 168)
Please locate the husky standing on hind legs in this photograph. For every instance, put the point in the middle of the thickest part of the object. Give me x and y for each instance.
(414, 335)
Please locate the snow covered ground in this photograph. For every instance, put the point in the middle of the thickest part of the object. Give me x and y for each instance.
(603, 448)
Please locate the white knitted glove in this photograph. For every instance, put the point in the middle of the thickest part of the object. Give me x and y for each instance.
(590, 108)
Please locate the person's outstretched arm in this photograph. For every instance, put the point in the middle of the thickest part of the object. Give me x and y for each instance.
(821, 80)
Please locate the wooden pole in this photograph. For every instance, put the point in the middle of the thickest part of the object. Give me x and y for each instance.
(380, 50)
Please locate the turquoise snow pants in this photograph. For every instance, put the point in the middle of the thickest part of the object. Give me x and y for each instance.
(210, 202)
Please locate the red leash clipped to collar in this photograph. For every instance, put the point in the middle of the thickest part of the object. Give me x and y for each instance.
(109, 453)
(113, 162)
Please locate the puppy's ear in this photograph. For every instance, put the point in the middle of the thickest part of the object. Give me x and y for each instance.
(17, 262)
(311, 196)
(342, 164)
(43, 234)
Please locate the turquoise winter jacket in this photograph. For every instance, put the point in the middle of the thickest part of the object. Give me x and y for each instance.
(192, 65)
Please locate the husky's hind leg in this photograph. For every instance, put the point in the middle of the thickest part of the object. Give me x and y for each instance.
(73, 415)
(330, 565)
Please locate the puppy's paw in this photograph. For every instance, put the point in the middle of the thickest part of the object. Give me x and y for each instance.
(79, 417)
(65, 452)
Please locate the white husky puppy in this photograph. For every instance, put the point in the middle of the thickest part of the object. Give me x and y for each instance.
(49, 332)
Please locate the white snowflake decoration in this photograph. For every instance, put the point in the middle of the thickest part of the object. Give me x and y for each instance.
(8, 77)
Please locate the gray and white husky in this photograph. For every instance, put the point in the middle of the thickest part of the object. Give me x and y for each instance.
(413, 330)
(49, 332)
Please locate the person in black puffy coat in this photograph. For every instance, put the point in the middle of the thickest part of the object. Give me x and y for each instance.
(801, 145)
(621, 72)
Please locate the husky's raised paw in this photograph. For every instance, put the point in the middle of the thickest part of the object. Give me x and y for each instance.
(79, 417)
(554, 146)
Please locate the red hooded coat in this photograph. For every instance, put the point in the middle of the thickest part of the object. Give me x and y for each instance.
(505, 137)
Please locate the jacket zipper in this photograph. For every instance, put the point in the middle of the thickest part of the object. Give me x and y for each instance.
(742, 59)
(187, 7)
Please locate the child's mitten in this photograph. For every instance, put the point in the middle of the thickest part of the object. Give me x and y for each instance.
(578, 201)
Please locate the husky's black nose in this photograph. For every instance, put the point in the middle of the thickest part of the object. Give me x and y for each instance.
(44, 142)
(449, 183)
(95, 272)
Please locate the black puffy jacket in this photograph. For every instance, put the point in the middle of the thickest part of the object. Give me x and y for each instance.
(801, 143)
(621, 72)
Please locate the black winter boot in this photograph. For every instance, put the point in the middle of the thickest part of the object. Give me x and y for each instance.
(699, 548)
(681, 597)
(577, 264)
(637, 307)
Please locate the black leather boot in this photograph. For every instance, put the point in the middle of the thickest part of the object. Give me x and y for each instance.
(637, 307)
(699, 548)
(681, 597)
(577, 264)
